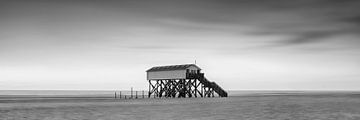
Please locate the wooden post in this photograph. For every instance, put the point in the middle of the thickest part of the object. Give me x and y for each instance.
(131, 93)
(149, 89)
(195, 90)
(136, 94)
(154, 95)
(202, 91)
(143, 94)
(120, 95)
(115, 95)
(212, 93)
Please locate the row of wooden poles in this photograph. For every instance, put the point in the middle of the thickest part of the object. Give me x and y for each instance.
(133, 95)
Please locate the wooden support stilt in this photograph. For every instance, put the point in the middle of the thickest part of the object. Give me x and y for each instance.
(197, 86)
(202, 91)
(149, 89)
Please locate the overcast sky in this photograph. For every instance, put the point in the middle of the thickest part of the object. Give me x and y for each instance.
(240, 44)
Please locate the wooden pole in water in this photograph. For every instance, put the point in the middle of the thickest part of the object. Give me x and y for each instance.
(115, 95)
(131, 93)
(136, 94)
(143, 94)
(120, 95)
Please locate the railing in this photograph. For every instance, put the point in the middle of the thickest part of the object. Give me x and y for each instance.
(206, 82)
(194, 75)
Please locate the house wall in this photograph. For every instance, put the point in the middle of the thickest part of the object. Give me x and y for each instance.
(173, 74)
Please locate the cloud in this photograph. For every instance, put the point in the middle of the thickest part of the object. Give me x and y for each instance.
(317, 21)
(302, 22)
(355, 20)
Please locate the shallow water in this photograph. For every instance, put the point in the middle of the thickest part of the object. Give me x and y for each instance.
(299, 106)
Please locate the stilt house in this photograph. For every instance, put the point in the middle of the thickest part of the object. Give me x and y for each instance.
(181, 81)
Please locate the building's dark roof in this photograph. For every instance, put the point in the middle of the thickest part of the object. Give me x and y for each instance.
(171, 67)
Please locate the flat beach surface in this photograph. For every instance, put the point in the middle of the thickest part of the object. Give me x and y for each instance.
(299, 106)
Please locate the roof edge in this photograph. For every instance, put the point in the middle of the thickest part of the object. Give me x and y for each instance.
(173, 66)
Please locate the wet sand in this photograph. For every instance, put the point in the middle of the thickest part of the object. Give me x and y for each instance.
(300, 106)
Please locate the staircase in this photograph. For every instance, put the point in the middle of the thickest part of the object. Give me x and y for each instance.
(221, 92)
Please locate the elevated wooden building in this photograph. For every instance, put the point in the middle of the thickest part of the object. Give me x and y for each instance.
(181, 81)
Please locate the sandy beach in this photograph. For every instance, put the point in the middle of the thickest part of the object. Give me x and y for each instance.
(257, 107)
